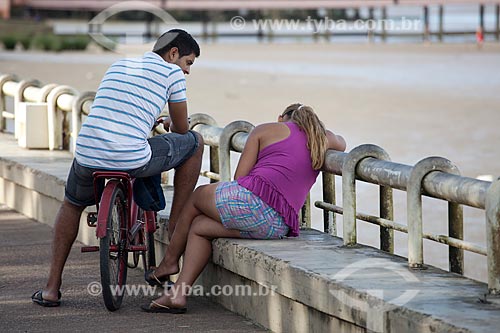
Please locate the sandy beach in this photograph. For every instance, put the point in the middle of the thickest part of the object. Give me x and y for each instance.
(414, 100)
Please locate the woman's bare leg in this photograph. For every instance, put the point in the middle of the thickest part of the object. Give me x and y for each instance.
(198, 252)
(202, 201)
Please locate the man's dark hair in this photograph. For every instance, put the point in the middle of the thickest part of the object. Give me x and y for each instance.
(178, 38)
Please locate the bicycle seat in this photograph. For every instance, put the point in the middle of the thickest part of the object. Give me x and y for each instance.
(112, 174)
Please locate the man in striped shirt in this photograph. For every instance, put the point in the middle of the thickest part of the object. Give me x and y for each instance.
(129, 101)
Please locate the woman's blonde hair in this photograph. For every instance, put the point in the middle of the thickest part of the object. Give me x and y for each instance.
(308, 121)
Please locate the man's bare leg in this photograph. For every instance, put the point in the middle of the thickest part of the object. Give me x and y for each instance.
(65, 232)
(185, 179)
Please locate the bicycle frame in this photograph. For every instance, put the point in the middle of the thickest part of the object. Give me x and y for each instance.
(125, 181)
(122, 227)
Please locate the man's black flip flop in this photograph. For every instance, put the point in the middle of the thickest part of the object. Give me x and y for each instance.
(37, 298)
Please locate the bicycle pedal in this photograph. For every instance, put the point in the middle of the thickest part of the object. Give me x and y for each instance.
(92, 219)
(85, 249)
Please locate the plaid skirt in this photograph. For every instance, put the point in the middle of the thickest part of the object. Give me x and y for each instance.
(242, 210)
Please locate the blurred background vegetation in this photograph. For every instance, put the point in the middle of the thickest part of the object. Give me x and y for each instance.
(38, 35)
(46, 41)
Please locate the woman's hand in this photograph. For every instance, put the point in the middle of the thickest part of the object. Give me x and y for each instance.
(335, 142)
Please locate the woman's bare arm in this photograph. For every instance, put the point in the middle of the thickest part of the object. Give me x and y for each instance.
(335, 142)
(249, 155)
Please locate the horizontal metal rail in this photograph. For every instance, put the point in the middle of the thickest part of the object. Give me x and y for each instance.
(212, 134)
(210, 175)
(462, 190)
(457, 243)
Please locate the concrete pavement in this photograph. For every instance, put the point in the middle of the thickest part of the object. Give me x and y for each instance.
(24, 257)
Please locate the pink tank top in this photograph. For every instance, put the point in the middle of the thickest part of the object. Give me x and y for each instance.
(283, 175)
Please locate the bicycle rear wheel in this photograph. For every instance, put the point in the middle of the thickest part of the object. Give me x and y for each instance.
(139, 239)
(148, 257)
(113, 247)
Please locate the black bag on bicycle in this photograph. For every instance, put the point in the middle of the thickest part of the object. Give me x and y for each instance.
(148, 193)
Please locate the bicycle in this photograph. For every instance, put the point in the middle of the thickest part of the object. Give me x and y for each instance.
(122, 228)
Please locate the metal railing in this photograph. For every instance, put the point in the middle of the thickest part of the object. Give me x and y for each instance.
(434, 177)
(61, 101)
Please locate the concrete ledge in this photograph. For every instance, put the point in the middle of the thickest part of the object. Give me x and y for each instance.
(311, 283)
(32, 182)
(354, 286)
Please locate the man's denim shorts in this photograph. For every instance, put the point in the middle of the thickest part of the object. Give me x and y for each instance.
(168, 151)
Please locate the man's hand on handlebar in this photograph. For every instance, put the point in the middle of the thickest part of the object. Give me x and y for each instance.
(165, 120)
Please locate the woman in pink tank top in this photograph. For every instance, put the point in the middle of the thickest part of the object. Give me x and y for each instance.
(277, 168)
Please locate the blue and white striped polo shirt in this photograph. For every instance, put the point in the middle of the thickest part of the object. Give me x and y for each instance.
(130, 98)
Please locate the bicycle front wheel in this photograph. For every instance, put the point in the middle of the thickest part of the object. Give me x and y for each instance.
(113, 247)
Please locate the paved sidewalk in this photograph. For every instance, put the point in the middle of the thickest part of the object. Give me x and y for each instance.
(24, 257)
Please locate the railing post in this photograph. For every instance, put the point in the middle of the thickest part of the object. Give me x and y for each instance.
(225, 146)
(55, 118)
(426, 32)
(414, 213)
(386, 212)
(349, 187)
(481, 17)
(493, 237)
(45, 91)
(329, 218)
(214, 162)
(200, 118)
(76, 114)
(384, 20)
(497, 22)
(3, 104)
(305, 213)
(371, 32)
(441, 22)
(18, 98)
(456, 230)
